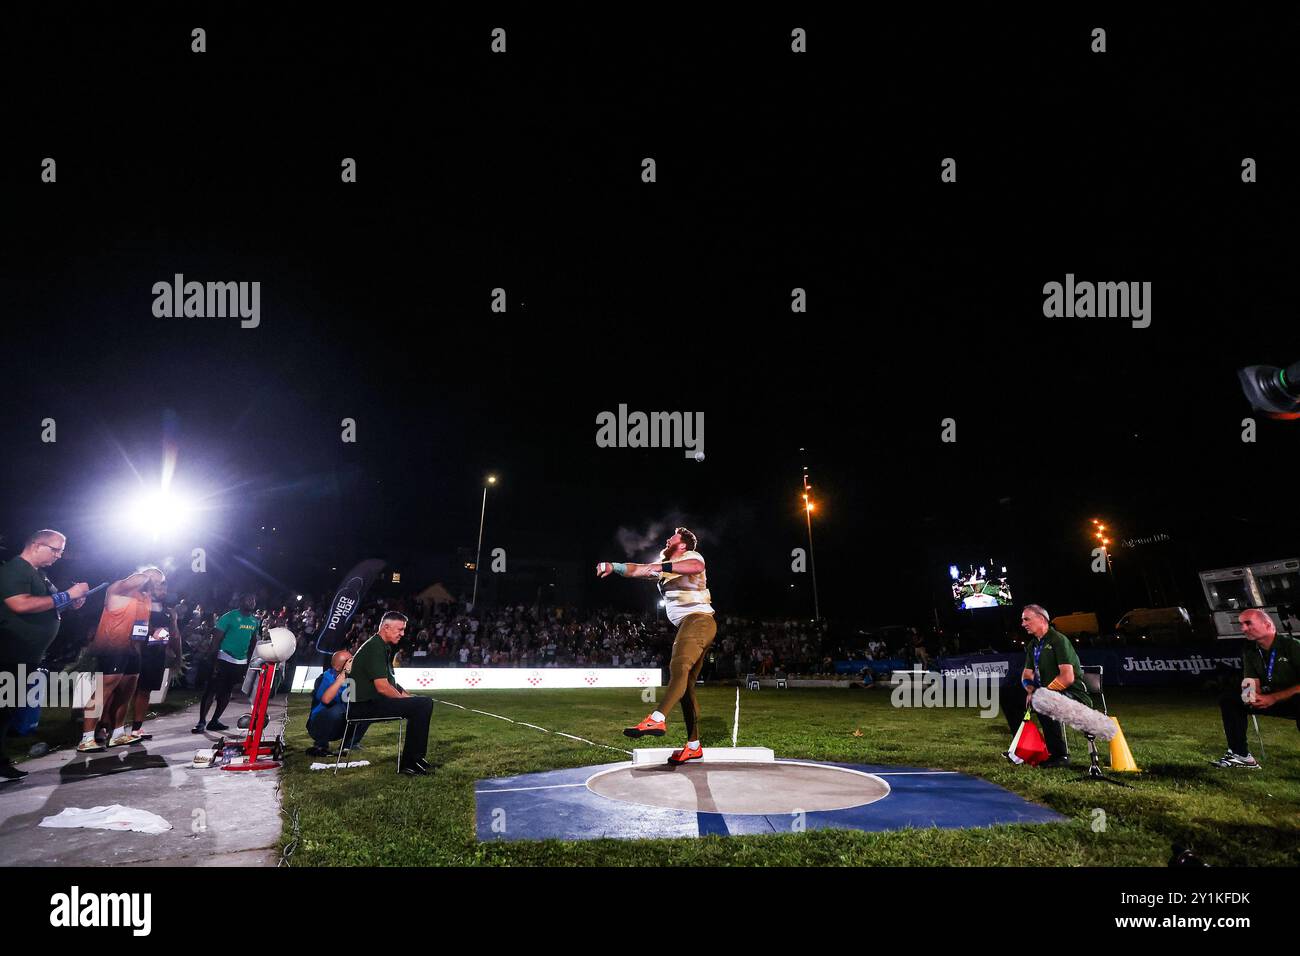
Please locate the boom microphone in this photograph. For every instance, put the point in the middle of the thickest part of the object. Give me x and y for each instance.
(1069, 711)
(1272, 390)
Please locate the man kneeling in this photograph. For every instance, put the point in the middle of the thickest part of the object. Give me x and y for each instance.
(325, 724)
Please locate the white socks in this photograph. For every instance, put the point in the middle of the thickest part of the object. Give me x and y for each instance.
(117, 732)
(693, 744)
(88, 737)
(658, 716)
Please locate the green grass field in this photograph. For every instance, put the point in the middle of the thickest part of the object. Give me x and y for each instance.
(371, 816)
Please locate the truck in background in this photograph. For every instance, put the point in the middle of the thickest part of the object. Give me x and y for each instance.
(1270, 586)
(1157, 625)
(1079, 624)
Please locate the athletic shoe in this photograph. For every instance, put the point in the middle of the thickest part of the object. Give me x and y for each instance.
(685, 754)
(424, 765)
(125, 740)
(647, 728)
(319, 752)
(1234, 760)
(1051, 763)
(412, 770)
(9, 772)
(217, 725)
(198, 728)
(90, 746)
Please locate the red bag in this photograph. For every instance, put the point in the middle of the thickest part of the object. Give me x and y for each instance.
(1031, 748)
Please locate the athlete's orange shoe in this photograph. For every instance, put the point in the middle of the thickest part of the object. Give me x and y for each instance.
(647, 728)
(685, 754)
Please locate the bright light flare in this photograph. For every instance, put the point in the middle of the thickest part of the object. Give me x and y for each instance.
(160, 513)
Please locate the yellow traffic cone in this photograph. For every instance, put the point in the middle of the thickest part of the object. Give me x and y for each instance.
(1121, 758)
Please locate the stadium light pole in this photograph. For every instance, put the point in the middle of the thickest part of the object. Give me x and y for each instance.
(812, 557)
(478, 556)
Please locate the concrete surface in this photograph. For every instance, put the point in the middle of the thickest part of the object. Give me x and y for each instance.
(218, 818)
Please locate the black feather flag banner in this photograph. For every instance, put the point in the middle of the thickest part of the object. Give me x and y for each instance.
(347, 599)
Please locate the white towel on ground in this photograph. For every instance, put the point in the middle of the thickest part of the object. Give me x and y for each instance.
(116, 817)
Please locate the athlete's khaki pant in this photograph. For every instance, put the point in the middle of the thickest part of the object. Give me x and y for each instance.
(694, 635)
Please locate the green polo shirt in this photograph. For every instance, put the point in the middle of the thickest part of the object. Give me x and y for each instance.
(1286, 663)
(24, 638)
(240, 629)
(372, 661)
(1058, 650)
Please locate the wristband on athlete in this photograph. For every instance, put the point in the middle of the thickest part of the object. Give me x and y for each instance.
(61, 600)
(619, 568)
(666, 567)
(1027, 683)
(1056, 685)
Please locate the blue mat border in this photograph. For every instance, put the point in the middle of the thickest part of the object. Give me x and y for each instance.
(556, 804)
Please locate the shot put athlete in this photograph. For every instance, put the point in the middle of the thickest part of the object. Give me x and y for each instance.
(123, 627)
(681, 580)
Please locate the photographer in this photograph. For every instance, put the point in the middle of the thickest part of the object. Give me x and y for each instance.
(1270, 685)
(328, 707)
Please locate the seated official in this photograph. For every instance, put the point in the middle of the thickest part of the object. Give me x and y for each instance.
(329, 708)
(1052, 662)
(1271, 663)
(379, 695)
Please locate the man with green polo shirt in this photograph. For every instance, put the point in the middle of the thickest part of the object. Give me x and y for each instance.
(376, 693)
(1051, 662)
(30, 609)
(233, 635)
(1270, 666)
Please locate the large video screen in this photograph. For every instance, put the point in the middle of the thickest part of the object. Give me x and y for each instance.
(976, 586)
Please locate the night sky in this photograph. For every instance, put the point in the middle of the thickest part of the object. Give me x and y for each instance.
(775, 171)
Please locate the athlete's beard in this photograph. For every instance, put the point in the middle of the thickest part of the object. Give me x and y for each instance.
(667, 553)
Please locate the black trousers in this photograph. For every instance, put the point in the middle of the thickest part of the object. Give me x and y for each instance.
(1235, 715)
(226, 676)
(418, 711)
(8, 713)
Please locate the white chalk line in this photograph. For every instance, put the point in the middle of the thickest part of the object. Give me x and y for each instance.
(911, 773)
(535, 727)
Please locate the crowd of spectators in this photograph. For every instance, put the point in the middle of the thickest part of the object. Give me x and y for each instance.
(453, 635)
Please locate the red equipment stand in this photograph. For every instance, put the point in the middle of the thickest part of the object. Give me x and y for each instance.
(253, 748)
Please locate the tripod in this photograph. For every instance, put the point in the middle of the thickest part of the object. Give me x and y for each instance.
(1094, 766)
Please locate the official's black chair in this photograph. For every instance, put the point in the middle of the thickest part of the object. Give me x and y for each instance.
(349, 721)
(1093, 679)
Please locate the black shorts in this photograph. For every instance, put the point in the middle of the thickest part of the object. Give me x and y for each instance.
(120, 662)
(228, 673)
(153, 661)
